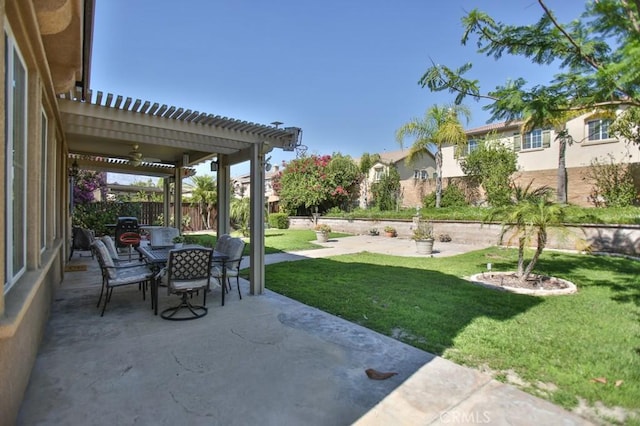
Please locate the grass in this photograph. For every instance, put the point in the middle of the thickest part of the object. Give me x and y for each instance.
(557, 345)
(276, 240)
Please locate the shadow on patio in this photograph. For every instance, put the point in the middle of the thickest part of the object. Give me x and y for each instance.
(261, 360)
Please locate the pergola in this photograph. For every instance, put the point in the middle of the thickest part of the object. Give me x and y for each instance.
(117, 134)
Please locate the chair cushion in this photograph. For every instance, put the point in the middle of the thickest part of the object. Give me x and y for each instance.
(131, 275)
(105, 258)
(189, 285)
(111, 246)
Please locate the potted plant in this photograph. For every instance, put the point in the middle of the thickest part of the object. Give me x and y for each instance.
(423, 236)
(322, 232)
(178, 241)
(390, 231)
(374, 232)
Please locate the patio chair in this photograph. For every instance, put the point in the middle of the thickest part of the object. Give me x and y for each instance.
(233, 249)
(187, 272)
(221, 243)
(117, 276)
(81, 240)
(113, 252)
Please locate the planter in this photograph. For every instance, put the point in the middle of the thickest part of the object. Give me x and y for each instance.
(390, 234)
(177, 245)
(424, 246)
(322, 237)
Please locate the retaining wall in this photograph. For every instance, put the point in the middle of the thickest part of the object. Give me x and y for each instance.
(623, 239)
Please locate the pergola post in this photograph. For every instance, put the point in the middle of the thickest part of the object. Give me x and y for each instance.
(224, 197)
(177, 199)
(256, 222)
(166, 200)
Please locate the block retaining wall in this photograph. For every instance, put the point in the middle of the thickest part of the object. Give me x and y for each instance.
(622, 239)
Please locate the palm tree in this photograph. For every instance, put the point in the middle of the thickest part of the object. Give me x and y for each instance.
(530, 215)
(558, 120)
(440, 126)
(205, 195)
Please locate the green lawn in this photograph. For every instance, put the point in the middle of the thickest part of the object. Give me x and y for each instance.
(276, 240)
(557, 345)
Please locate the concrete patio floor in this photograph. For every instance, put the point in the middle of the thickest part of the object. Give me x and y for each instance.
(262, 360)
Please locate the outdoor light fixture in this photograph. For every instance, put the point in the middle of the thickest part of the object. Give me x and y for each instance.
(214, 165)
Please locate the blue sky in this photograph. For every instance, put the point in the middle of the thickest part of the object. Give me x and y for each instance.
(345, 71)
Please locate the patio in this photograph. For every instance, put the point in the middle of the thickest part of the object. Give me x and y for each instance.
(260, 360)
(265, 360)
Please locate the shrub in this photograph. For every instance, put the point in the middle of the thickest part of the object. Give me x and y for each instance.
(279, 220)
(452, 196)
(613, 184)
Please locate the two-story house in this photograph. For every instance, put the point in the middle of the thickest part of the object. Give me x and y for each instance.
(242, 184)
(538, 151)
(416, 180)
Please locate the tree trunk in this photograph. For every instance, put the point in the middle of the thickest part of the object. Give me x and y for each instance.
(542, 242)
(521, 243)
(562, 170)
(438, 177)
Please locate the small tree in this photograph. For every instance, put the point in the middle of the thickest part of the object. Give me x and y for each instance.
(529, 216)
(491, 166)
(205, 196)
(386, 191)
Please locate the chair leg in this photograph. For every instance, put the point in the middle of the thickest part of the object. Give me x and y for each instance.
(101, 291)
(238, 284)
(184, 303)
(107, 298)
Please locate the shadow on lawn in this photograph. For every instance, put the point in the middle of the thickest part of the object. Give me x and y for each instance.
(622, 276)
(421, 307)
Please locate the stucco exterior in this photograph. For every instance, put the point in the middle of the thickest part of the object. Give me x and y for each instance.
(541, 164)
(416, 179)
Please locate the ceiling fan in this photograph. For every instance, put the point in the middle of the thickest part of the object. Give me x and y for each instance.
(136, 158)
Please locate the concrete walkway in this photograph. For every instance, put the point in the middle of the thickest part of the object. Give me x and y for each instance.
(262, 360)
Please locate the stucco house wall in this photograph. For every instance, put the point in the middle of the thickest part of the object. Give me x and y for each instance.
(541, 164)
(416, 179)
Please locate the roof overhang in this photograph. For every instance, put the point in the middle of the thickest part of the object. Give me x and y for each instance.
(107, 127)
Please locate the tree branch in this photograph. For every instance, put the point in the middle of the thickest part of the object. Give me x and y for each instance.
(588, 59)
(632, 17)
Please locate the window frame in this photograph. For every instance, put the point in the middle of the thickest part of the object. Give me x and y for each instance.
(16, 132)
(601, 122)
(528, 139)
(44, 131)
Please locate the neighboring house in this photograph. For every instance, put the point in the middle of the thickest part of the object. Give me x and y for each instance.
(538, 153)
(416, 180)
(242, 186)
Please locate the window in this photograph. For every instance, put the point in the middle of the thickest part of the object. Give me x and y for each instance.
(378, 173)
(424, 175)
(416, 174)
(598, 129)
(532, 139)
(536, 139)
(43, 182)
(472, 145)
(16, 162)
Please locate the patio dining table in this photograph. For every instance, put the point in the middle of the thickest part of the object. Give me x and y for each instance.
(158, 257)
